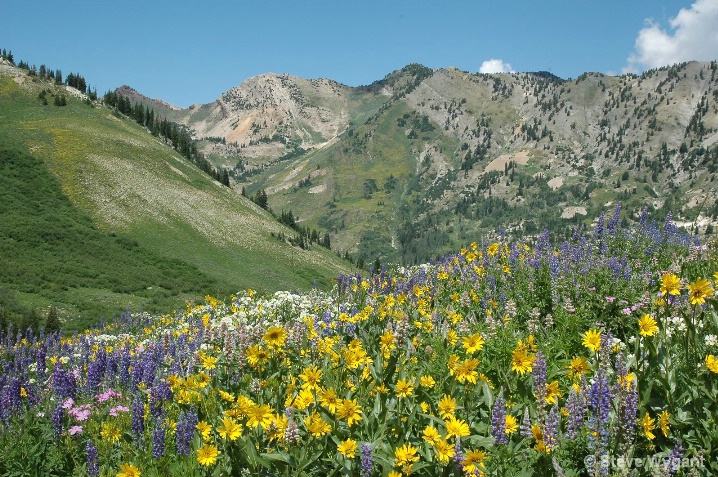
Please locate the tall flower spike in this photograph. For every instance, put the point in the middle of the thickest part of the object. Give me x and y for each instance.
(552, 429)
(367, 460)
(138, 417)
(93, 470)
(498, 420)
(576, 405)
(158, 439)
(525, 429)
(539, 375)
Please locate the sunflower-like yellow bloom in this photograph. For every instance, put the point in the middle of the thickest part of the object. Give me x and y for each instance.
(699, 290)
(670, 284)
(592, 340)
(275, 337)
(712, 363)
(229, 429)
(349, 410)
(405, 455)
(649, 425)
(348, 448)
(647, 325)
(129, 470)
(473, 343)
(404, 388)
(207, 455)
(456, 427)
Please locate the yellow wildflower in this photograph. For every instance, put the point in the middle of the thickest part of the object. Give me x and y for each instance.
(712, 363)
(348, 448)
(663, 422)
(649, 425)
(670, 284)
(699, 290)
(473, 343)
(207, 455)
(592, 340)
(404, 388)
(129, 470)
(647, 325)
(405, 454)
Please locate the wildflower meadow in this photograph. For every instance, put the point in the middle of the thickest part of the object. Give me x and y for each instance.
(596, 356)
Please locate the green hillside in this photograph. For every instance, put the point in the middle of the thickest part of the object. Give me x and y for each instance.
(98, 215)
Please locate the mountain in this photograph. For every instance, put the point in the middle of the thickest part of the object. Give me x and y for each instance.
(426, 160)
(98, 215)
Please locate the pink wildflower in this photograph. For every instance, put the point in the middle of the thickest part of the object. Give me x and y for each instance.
(115, 410)
(75, 430)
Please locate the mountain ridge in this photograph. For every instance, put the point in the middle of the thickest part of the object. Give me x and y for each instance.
(127, 182)
(453, 139)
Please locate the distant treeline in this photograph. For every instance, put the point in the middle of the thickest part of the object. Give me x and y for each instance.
(74, 80)
(175, 134)
(307, 236)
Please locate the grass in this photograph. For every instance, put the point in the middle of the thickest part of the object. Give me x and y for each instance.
(124, 221)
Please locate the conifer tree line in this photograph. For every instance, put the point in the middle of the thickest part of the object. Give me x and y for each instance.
(7, 55)
(175, 134)
(74, 80)
(307, 235)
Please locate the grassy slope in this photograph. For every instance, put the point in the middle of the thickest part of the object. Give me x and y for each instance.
(130, 183)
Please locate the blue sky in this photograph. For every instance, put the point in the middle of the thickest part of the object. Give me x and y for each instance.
(190, 52)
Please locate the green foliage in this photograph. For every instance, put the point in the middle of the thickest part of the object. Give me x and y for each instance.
(52, 249)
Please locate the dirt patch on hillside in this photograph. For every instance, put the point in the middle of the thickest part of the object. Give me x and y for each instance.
(499, 164)
(318, 189)
(570, 212)
(555, 183)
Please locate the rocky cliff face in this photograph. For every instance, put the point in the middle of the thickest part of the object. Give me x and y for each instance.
(470, 151)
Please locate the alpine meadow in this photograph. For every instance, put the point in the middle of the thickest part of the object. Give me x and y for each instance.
(441, 273)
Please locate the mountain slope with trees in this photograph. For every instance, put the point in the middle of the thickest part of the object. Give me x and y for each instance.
(432, 158)
(110, 216)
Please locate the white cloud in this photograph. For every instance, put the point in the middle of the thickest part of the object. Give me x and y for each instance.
(693, 35)
(495, 66)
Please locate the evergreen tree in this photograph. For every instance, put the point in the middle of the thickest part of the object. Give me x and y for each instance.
(4, 321)
(30, 321)
(52, 321)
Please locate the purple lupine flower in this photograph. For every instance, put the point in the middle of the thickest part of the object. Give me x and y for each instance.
(539, 375)
(7, 403)
(124, 366)
(628, 409)
(64, 383)
(57, 416)
(138, 417)
(643, 217)
(498, 420)
(96, 371)
(551, 433)
(93, 470)
(156, 400)
(615, 220)
(598, 233)
(576, 405)
(367, 460)
(158, 439)
(185, 431)
(525, 429)
(40, 362)
(600, 404)
(673, 462)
